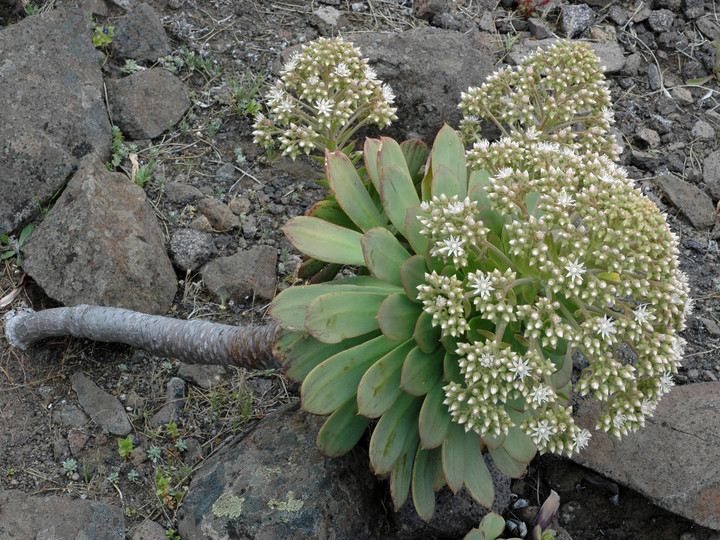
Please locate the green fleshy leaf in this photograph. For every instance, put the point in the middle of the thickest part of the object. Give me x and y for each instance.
(397, 317)
(478, 181)
(493, 442)
(438, 473)
(384, 255)
(453, 454)
(434, 419)
(329, 210)
(448, 150)
(423, 492)
(505, 464)
(300, 356)
(342, 430)
(380, 386)
(325, 241)
(412, 274)
(315, 270)
(336, 316)
(491, 527)
(289, 308)
(335, 380)
(416, 153)
(445, 182)
(451, 367)
(421, 371)
(388, 438)
(370, 153)
(563, 375)
(350, 192)
(477, 477)
(401, 475)
(418, 242)
(426, 335)
(391, 153)
(519, 446)
(397, 192)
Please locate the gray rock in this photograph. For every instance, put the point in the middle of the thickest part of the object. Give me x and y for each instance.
(694, 203)
(226, 174)
(654, 79)
(69, 416)
(711, 174)
(101, 407)
(140, 35)
(246, 276)
(101, 244)
(682, 95)
(694, 9)
(660, 20)
(618, 15)
(220, 216)
(182, 193)
(454, 515)
(575, 19)
(329, 20)
(681, 474)
(50, 73)
(709, 28)
(703, 130)
(174, 403)
(610, 54)
(427, 92)
(648, 137)
(272, 483)
(190, 249)
(51, 517)
(204, 376)
(538, 28)
(146, 103)
(149, 530)
(642, 14)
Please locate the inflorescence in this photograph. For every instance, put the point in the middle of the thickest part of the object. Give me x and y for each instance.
(582, 263)
(326, 92)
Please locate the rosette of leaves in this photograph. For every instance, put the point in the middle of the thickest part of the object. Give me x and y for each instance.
(365, 348)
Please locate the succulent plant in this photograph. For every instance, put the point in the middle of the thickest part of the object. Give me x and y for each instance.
(478, 278)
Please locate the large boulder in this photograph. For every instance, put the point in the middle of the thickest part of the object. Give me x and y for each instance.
(101, 244)
(272, 483)
(426, 72)
(25, 516)
(53, 113)
(673, 460)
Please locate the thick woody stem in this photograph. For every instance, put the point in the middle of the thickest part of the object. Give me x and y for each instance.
(196, 342)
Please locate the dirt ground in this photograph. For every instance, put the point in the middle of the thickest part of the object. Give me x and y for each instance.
(239, 40)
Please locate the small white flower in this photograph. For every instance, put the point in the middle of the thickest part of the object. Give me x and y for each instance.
(482, 284)
(575, 270)
(564, 199)
(452, 247)
(487, 360)
(441, 301)
(647, 407)
(641, 314)
(341, 70)
(291, 63)
(582, 438)
(520, 367)
(666, 382)
(286, 106)
(531, 133)
(324, 107)
(541, 432)
(388, 94)
(619, 420)
(370, 74)
(608, 115)
(455, 207)
(606, 327)
(275, 95)
(541, 393)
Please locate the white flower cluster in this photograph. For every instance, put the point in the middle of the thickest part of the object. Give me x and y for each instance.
(556, 95)
(326, 92)
(576, 260)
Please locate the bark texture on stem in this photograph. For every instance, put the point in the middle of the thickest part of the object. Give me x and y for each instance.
(195, 342)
